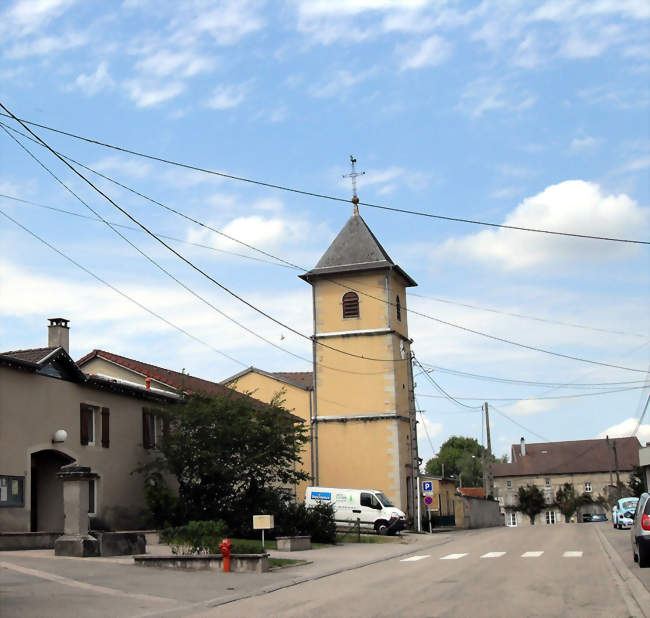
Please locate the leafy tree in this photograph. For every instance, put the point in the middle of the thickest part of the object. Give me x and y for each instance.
(460, 455)
(230, 456)
(566, 500)
(636, 484)
(531, 501)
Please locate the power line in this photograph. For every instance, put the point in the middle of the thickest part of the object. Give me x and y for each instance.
(573, 396)
(638, 424)
(478, 376)
(424, 315)
(512, 420)
(123, 294)
(439, 388)
(524, 316)
(315, 194)
(190, 263)
(136, 229)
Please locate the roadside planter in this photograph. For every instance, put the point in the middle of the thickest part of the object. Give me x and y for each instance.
(239, 563)
(293, 543)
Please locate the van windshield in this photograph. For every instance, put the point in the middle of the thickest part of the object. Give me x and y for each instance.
(628, 505)
(383, 499)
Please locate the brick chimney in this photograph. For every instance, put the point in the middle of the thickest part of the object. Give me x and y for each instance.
(58, 334)
(522, 447)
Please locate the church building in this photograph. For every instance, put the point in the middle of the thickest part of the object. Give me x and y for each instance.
(359, 401)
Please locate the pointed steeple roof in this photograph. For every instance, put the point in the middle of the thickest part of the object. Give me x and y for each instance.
(355, 249)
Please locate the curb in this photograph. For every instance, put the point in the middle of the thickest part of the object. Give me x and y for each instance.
(636, 597)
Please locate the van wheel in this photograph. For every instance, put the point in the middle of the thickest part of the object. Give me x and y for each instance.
(381, 527)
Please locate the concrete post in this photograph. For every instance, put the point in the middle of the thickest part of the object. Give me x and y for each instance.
(75, 540)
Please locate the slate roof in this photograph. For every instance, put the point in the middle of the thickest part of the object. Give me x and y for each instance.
(472, 492)
(355, 249)
(33, 355)
(301, 379)
(570, 457)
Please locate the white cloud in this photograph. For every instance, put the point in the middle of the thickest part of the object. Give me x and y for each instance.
(146, 94)
(484, 94)
(581, 144)
(570, 206)
(227, 97)
(525, 407)
(131, 167)
(430, 52)
(184, 63)
(92, 83)
(47, 45)
(26, 16)
(339, 83)
(625, 428)
(636, 165)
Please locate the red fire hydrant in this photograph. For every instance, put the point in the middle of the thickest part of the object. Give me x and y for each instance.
(226, 550)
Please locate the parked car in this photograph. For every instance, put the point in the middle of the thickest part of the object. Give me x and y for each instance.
(587, 517)
(640, 532)
(623, 512)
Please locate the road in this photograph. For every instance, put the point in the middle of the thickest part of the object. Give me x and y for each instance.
(576, 569)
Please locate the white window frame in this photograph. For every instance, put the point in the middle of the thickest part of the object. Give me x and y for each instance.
(511, 519)
(547, 482)
(92, 425)
(508, 484)
(551, 518)
(588, 488)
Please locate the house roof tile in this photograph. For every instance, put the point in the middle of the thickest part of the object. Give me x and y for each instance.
(33, 355)
(569, 457)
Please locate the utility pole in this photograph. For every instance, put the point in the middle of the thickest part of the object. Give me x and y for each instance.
(618, 478)
(488, 475)
(609, 461)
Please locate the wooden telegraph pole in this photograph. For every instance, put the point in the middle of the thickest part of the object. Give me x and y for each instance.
(488, 475)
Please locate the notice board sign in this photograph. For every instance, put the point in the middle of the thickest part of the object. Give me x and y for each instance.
(12, 490)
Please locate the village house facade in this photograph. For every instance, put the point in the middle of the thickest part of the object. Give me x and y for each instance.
(589, 465)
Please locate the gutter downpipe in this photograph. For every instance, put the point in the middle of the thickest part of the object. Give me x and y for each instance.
(314, 418)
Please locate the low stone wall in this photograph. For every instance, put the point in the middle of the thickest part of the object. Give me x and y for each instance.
(293, 543)
(239, 563)
(12, 541)
(477, 513)
(120, 543)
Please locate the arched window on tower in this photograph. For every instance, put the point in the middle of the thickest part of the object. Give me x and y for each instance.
(398, 309)
(350, 305)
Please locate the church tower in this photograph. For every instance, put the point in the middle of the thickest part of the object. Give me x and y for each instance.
(363, 418)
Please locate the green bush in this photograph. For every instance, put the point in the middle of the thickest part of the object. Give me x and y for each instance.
(196, 537)
(163, 504)
(296, 519)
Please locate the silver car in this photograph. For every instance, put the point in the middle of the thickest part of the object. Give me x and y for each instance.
(640, 532)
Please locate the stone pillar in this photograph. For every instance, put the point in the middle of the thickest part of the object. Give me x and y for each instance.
(75, 540)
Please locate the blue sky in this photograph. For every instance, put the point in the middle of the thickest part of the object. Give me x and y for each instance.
(533, 115)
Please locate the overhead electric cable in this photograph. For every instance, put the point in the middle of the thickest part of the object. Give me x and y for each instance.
(493, 407)
(191, 264)
(315, 194)
(123, 294)
(439, 388)
(478, 376)
(573, 396)
(645, 409)
(524, 316)
(424, 315)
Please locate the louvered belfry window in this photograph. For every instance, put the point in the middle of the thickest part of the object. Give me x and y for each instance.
(398, 309)
(350, 305)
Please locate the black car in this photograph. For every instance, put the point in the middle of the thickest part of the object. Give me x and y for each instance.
(587, 517)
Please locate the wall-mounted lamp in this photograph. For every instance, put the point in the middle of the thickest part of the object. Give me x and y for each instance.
(59, 436)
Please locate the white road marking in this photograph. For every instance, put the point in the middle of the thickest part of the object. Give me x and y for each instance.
(494, 554)
(532, 554)
(82, 585)
(572, 554)
(414, 558)
(453, 556)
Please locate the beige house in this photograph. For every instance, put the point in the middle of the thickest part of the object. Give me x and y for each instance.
(52, 414)
(589, 465)
(360, 403)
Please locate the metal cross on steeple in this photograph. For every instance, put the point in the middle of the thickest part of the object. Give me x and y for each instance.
(353, 175)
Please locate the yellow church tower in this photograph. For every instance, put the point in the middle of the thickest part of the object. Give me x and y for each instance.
(363, 418)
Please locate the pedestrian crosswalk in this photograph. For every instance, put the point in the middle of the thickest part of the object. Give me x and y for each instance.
(494, 555)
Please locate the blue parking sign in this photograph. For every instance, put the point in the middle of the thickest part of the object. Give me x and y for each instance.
(427, 485)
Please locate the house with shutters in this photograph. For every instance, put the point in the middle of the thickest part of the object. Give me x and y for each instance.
(54, 411)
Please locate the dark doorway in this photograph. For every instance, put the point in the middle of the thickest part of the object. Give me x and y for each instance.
(47, 491)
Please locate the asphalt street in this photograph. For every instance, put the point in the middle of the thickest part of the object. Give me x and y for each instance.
(577, 569)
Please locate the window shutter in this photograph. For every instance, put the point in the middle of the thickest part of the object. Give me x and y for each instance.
(106, 427)
(146, 434)
(350, 305)
(83, 419)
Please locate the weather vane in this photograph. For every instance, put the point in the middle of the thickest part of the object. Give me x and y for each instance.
(353, 175)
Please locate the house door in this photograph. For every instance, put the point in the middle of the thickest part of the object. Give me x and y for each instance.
(47, 491)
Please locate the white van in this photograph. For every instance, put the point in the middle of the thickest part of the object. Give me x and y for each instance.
(370, 506)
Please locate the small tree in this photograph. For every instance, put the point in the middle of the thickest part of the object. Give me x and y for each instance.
(636, 484)
(566, 500)
(531, 501)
